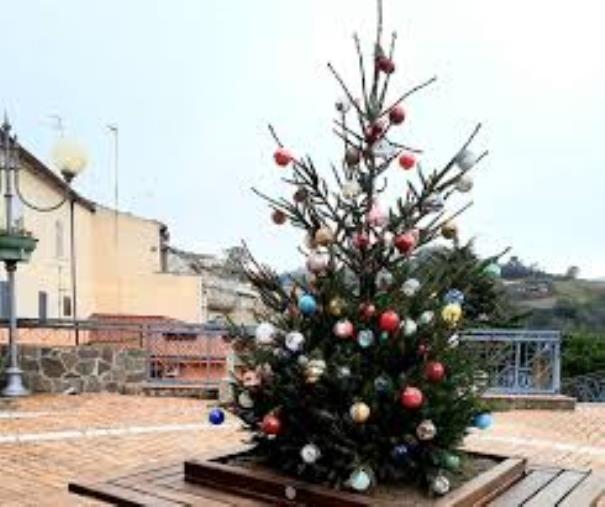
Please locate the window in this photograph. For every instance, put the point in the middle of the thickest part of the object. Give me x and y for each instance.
(42, 305)
(59, 240)
(66, 306)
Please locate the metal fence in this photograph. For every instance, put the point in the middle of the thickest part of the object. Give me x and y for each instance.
(586, 388)
(517, 361)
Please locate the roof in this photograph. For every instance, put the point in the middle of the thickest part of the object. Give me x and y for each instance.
(52, 178)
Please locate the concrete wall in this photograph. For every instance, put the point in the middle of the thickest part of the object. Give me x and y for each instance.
(85, 369)
(118, 262)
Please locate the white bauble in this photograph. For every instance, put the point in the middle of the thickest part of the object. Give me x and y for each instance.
(264, 333)
(318, 262)
(410, 287)
(453, 341)
(343, 105)
(310, 453)
(351, 189)
(440, 484)
(385, 150)
(409, 327)
(302, 360)
(466, 159)
(387, 238)
(464, 183)
(426, 317)
(361, 479)
(244, 400)
(294, 341)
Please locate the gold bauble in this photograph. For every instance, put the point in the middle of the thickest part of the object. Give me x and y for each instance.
(324, 236)
(449, 230)
(451, 314)
(359, 412)
(336, 306)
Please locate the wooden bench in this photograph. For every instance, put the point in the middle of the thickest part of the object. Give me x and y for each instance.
(508, 484)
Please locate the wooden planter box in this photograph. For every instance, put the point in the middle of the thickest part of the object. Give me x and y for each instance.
(16, 248)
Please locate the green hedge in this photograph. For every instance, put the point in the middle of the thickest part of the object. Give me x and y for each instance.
(582, 352)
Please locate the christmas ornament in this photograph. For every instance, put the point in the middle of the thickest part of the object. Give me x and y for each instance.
(351, 189)
(409, 327)
(384, 64)
(433, 203)
(343, 105)
(361, 479)
(451, 314)
(245, 400)
(451, 461)
(343, 372)
(336, 306)
(365, 338)
(302, 360)
(410, 287)
(384, 336)
(407, 161)
(374, 131)
(361, 240)
(426, 317)
(359, 412)
(440, 484)
(314, 369)
(343, 328)
(367, 310)
(294, 341)
(307, 304)
(426, 430)
(434, 371)
(278, 217)
(352, 156)
(454, 340)
(216, 416)
(405, 242)
(271, 425)
(449, 230)
(384, 279)
(412, 398)
(376, 216)
(282, 157)
(466, 159)
(324, 236)
(464, 184)
(483, 421)
(383, 384)
(400, 453)
(387, 238)
(264, 333)
(384, 149)
(397, 115)
(317, 262)
(389, 321)
(300, 195)
(493, 270)
(310, 453)
(453, 296)
(251, 379)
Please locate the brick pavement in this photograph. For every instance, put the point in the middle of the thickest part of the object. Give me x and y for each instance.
(45, 441)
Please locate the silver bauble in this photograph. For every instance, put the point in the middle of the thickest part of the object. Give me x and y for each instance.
(310, 453)
(294, 341)
(440, 485)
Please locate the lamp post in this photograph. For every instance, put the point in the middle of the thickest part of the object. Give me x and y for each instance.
(17, 245)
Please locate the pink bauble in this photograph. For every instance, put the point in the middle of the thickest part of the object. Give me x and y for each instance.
(376, 216)
(343, 328)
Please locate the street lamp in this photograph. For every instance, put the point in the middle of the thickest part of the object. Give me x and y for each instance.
(16, 245)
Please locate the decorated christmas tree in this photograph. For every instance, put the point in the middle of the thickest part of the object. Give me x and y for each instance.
(355, 376)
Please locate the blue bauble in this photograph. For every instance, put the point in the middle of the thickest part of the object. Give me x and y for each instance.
(365, 338)
(453, 296)
(400, 453)
(216, 416)
(307, 304)
(493, 270)
(383, 384)
(483, 421)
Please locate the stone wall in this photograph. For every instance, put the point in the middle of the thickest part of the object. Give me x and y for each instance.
(87, 368)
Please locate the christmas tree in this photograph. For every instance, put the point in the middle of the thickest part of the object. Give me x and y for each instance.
(355, 375)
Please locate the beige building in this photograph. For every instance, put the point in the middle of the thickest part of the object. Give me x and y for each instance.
(120, 259)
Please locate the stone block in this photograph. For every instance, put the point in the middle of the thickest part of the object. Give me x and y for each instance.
(86, 352)
(69, 359)
(107, 354)
(92, 385)
(39, 384)
(86, 367)
(52, 367)
(103, 366)
(135, 377)
(111, 387)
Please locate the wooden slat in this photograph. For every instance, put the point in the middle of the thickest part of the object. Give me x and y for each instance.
(485, 486)
(556, 489)
(118, 495)
(586, 492)
(525, 488)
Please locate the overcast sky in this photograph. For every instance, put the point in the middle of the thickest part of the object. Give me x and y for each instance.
(192, 85)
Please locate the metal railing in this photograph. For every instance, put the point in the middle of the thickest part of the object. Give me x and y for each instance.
(517, 361)
(586, 388)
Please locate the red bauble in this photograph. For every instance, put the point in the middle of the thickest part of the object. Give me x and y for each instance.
(411, 398)
(385, 64)
(397, 115)
(434, 371)
(423, 349)
(407, 161)
(367, 310)
(405, 242)
(279, 217)
(361, 240)
(271, 425)
(282, 157)
(389, 321)
(374, 131)
(300, 195)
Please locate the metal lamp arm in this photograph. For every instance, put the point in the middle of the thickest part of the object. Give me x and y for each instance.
(33, 206)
